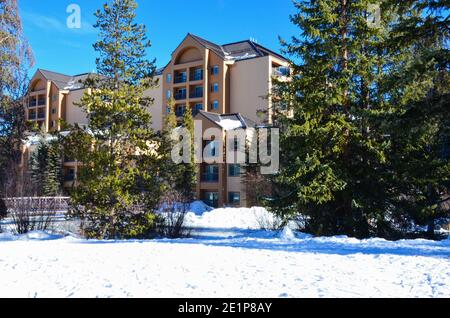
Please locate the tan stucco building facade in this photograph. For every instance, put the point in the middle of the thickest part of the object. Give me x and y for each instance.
(234, 79)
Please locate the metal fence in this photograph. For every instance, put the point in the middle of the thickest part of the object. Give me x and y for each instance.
(39, 204)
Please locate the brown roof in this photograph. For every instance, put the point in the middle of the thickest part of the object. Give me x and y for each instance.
(237, 51)
(63, 81)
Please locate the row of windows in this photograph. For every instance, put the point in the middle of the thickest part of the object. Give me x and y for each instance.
(181, 109)
(197, 75)
(212, 198)
(234, 170)
(198, 91)
(199, 106)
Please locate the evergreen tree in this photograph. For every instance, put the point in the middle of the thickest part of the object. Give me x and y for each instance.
(38, 167)
(119, 180)
(333, 149)
(187, 172)
(53, 171)
(418, 85)
(166, 145)
(45, 169)
(15, 60)
(360, 155)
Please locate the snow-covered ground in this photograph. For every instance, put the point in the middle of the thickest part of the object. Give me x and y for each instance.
(227, 256)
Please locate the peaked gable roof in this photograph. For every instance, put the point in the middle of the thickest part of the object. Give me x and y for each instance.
(63, 81)
(237, 51)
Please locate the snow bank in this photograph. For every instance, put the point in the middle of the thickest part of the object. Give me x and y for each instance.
(240, 218)
(233, 259)
(199, 207)
(31, 236)
(195, 268)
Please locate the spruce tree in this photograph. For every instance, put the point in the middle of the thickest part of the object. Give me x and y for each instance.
(166, 145)
(45, 168)
(38, 167)
(119, 183)
(361, 155)
(417, 83)
(187, 172)
(53, 171)
(333, 149)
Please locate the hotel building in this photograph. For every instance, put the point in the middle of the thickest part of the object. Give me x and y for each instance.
(216, 82)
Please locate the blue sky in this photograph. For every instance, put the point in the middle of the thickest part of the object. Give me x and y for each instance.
(58, 48)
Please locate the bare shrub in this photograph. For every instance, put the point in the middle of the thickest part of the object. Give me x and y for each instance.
(172, 216)
(31, 214)
(269, 221)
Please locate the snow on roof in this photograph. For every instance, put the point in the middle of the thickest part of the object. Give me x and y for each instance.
(229, 121)
(230, 124)
(35, 139)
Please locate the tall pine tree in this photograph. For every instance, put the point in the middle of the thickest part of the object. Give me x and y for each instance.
(45, 168)
(362, 154)
(187, 172)
(417, 83)
(333, 149)
(119, 183)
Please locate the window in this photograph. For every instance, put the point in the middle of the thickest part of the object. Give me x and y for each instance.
(211, 199)
(210, 173)
(180, 93)
(70, 176)
(215, 88)
(180, 110)
(167, 109)
(234, 198)
(197, 75)
(180, 77)
(197, 92)
(215, 70)
(234, 170)
(52, 124)
(169, 78)
(53, 110)
(54, 98)
(168, 94)
(216, 105)
(198, 107)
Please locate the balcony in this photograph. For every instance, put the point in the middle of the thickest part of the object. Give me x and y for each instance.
(198, 108)
(281, 71)
(180, 112)
(196, 94)
(69, 178)
(197, 75)
(210, 177)
(180, 78)
(180, 95)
